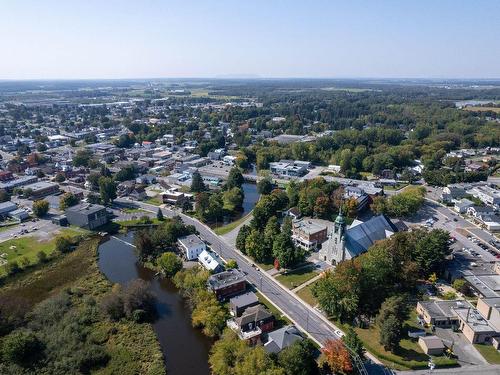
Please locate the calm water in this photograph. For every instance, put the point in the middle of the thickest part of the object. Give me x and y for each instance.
(251, 197)
(185, 349)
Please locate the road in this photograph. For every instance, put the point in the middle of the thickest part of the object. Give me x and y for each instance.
(303, 315)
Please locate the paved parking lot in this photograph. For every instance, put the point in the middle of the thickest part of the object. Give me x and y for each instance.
(466, 352)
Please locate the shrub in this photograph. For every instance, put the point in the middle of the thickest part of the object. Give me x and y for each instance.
(21, 347)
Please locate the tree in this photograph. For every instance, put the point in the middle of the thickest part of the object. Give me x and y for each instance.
(299, 358)
(68, 200)
(41, 256)
(233, 199)
(255, 248)
(335, 357)
(353, 342)
(21, 347)
(234, 179)
(159, 214)
(197, 184)
(63, 244)
(82, 158)
(284, 249)
(208, 314)
(107, 190)
(231, 263)
(265, 186)
(144, 245)
(40, 208)
(241, 238)
(126, 173)
(393, 312)
(390, 333)
(170, 264)
(271, 231)
(461, 286)
(60, 177)
(4, 196)
(431, 249)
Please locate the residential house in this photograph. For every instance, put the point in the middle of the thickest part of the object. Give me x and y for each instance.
(479, 212)
(252, 323)
(362, 199)
(282, 338)
(239, 303)
(191, 246)
(462, 205)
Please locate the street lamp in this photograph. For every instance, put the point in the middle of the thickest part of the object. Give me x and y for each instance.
(431, 365)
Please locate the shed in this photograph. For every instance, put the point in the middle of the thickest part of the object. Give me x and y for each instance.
(431, 345)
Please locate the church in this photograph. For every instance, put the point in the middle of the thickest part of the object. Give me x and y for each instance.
(349, 242)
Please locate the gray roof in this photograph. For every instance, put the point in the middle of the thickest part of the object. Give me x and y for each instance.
(226, 278)
(190, 241)
(433, 342)
(282, 338)
(244, 299)
(85, 208)
(443, 309)
(253, 314)
(360, 237)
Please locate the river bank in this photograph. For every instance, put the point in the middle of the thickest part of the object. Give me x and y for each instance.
(185, 349)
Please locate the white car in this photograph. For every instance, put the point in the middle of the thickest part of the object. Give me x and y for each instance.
(339, 333)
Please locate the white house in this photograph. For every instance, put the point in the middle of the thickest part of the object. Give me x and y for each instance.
(462, 205)
(211, 261)
(192, 246)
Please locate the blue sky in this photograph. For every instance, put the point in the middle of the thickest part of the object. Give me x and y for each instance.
(266, 38)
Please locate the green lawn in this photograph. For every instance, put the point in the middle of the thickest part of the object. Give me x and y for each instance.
(489, 353)
(231, 226)
(306, 295)
(298, 277)
(265, 266)
(131, 223)
(29, 246)
(157, 201)
(129, 210)
(281, 320)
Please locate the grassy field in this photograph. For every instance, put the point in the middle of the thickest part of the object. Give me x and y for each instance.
(28, 247)
(306, 295)
(132, 347)
(482, 109)
(489, 353)
(231, 226)
(298, 277)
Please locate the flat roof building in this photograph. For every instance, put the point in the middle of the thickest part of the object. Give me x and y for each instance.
(86, 215)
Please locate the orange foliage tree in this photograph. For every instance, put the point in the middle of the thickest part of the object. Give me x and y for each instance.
(335, 357)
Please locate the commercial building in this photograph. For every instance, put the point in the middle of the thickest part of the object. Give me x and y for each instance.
(42, 189)
(289, 168)
(86, 215)
(440, 313)
(308, 233)
(227, 284)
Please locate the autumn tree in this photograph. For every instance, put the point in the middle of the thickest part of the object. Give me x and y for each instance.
(335, 358)
(40, 207)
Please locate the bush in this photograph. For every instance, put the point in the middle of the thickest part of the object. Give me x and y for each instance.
(41, 256)
(170, 264)
(40, 208)
(12, 268)
(21, 347)
(63, 244)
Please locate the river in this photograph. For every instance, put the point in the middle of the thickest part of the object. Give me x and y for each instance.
(185, 348)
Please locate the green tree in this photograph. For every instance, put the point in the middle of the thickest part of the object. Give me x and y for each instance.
(21, 347)
(299, 358)
(241, 238)
(208, 314)
(107, 190)
(265, 186)
(4, 196)
(284, 249)
(63, 244)
(234, 179)
(40, 207)
(197, 184)
(353, 342)
(390, 333)
(82, 158)
(68, 200)
(159, 214)
(254, 246)
(60, 177)
(431, 250)
(170, 264)
(233, 199)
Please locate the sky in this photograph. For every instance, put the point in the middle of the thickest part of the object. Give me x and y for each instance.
(91, 39)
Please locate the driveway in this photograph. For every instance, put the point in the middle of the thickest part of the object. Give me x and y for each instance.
(466, 352)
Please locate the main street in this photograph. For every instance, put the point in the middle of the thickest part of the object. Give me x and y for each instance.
(303, 315)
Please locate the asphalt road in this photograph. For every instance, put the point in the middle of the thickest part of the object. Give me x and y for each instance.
(303, 315)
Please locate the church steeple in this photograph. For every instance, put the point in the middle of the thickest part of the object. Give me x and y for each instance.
(340, 223)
